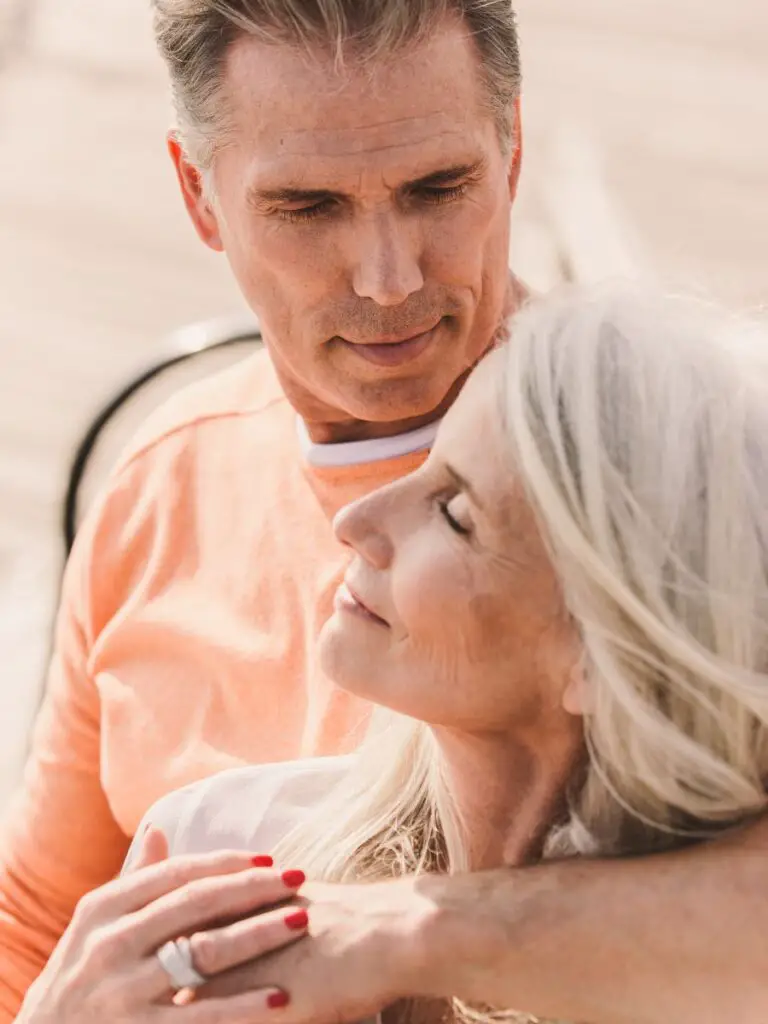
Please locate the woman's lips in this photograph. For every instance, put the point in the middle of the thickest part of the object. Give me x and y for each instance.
(394, 353)
(347, 601)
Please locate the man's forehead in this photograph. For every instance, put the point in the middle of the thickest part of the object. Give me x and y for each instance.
(390, 154)
(305, 102)
(405, 133)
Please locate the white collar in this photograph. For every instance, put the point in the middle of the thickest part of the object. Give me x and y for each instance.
(355, 453)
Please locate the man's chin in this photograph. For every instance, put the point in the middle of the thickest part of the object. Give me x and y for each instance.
(402, 405)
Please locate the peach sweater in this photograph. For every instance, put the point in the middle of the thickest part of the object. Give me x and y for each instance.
(185, 644)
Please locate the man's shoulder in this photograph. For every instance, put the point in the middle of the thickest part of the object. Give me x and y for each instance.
(242, 393)
(190, 451)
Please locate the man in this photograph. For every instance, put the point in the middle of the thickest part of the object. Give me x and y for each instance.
(357, 163)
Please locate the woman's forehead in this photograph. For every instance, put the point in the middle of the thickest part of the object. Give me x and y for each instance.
(472, 441)
(471, 432)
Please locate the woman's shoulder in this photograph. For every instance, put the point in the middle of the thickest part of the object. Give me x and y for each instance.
(250, 808)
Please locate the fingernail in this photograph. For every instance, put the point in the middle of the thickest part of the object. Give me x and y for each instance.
(276, 1000)
(297, 921)
(293, 879)
(262, 862)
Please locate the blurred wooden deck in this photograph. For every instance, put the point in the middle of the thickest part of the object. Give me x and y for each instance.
(645, 138)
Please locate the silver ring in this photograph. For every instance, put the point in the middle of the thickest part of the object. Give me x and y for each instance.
(176, 960)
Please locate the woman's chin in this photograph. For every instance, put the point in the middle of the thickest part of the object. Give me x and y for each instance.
(359, 659)
(349, 655)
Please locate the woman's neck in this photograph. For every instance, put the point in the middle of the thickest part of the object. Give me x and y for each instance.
(507, 791)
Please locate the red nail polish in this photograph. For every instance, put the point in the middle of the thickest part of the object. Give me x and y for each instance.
(293, 879)
(277, 1000)
(297, 921)
(262, 862)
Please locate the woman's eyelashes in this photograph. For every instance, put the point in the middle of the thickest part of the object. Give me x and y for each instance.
(459, 524)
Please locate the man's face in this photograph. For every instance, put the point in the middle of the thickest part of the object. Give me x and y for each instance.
(365, 215)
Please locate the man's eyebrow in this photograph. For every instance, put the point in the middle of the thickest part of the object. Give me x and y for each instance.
(447, 175)
(257, 196)
(294, 194)
(463, 485)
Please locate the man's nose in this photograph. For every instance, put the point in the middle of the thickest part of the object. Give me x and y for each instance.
(387, 267)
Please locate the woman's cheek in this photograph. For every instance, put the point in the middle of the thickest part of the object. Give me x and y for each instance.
(433, 595)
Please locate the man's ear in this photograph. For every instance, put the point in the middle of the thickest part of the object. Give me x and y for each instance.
(516, 156)
(198, 205)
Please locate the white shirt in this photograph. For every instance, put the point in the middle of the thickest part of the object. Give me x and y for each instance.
(249, 808)
(375, 449)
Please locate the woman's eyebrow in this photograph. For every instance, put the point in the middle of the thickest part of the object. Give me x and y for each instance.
(463, 485)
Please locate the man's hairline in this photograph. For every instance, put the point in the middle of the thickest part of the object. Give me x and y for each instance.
(507, 137)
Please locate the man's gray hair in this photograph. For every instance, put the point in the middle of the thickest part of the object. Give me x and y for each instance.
(194, 37)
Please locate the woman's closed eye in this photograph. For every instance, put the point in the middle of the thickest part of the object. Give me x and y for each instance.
(455, 513)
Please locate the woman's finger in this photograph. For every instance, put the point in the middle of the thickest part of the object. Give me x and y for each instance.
(153, 849)
(263, 1004)
(220, 949)
(132, 892)
(200, 903)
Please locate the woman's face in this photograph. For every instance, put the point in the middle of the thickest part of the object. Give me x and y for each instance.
(451, 611)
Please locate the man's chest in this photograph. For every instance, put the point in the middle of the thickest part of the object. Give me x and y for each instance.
(204, 676)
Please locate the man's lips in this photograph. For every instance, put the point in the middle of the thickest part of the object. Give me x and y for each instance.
(346, 600)
(392, 350)
(398, 339)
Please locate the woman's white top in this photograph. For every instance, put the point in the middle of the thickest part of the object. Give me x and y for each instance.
(247, 809)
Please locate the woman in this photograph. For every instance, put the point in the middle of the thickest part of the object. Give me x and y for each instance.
(564, 615)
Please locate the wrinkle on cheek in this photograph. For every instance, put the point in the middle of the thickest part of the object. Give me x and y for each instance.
(471, 634)
(521, 618)
(434, 612)
(488, 620)
(445, 658)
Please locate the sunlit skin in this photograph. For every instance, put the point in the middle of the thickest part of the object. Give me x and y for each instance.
(357, 209)
(452, 613)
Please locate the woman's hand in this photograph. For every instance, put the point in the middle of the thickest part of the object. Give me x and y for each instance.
(105, 968)
(368, 946)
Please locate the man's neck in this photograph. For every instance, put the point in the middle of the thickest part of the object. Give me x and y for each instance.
(507, 791)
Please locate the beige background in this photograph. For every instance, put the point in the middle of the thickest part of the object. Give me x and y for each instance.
(646, 148)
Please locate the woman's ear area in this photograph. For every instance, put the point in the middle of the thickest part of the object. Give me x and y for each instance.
(577, 698)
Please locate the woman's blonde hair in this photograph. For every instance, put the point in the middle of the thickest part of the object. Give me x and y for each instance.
(638, 426)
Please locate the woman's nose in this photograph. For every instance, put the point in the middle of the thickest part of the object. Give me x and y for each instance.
(360, 526)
